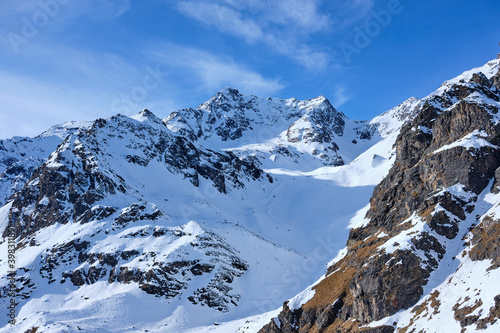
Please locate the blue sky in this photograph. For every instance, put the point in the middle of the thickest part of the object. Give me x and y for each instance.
(66, 60)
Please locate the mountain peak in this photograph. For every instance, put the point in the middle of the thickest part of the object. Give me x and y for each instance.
(490, 69)
(229, 91)
(475, 85)
(147, 116)
(226, 93)
(214, 214)
(62, 130)
(318, 101)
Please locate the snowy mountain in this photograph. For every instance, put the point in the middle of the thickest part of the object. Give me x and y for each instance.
(424, 256)
(210, 219)
(20, 156)
(281, 133)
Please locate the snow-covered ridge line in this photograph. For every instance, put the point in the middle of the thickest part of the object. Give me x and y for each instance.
(176, 223)
(288, 134)
(131, 214)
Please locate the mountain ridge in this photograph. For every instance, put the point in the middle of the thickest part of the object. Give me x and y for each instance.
(416, 214)
(215, 216)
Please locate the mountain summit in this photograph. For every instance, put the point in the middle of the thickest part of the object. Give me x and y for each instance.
(424, 257)
(251, 214)
(281, 132)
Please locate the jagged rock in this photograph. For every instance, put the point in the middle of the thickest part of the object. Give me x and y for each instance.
(381, 329)
(136, 212)
(419, 170)
(164, 277)
(20, 156)
(387, 284)
(496, 79)
(69, 185)
(299, 127)
(92, 186)
(493, 316)
(486, 241)
(429, 160)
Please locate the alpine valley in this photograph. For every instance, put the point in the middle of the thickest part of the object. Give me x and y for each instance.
(252, 214)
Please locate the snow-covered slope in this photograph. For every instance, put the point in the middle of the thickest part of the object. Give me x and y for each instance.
(424, 256)
(125, 212)
(208, 220)
(20, 156)
(278, 133)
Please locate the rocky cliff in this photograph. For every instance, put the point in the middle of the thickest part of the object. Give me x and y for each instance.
(432, 211)
(126, 210)
(276, 132)
(209, 219)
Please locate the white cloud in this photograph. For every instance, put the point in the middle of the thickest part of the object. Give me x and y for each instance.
(29, 20)
(285, 26)
(223, 18)
(340, 96)
(75, 84)
(213, 72)
(347, 13)
(299, 13)
(124, 7)
(303, 15)
(300, 53)
(14, 13)
(280, 25)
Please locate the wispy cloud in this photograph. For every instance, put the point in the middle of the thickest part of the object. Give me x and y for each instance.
(281, 25)
(50, 82)
(302, 14)
(211, 72)
(223, 18)
(124, 7)
(108, 8)
(340, 96)
(62, 84)
(69, 83)
(346, 14)
(29, 20)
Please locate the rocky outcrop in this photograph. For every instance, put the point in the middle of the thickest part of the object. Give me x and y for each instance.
(446, 156)
(486, 242)
(313, 125)
(69, 185)
(215, 268)
(102, 209)
(21, 156)
(230, 114)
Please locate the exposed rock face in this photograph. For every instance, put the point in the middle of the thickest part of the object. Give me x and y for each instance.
(92, 164)
(20, 157)
(446, 156)
(229, 114)
(279, 133)
(486, 241)
(107, 209)
(217, 266)
(77, 175)
(282, 126)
